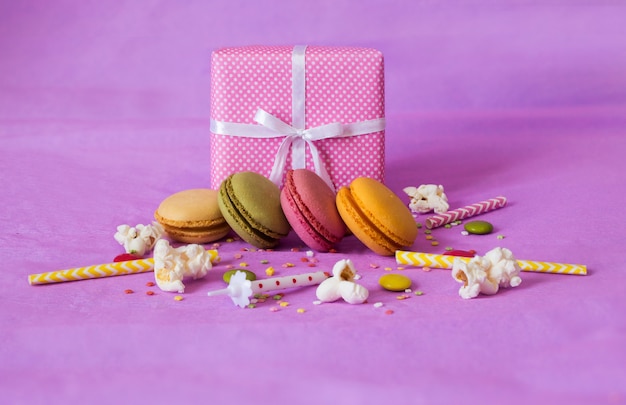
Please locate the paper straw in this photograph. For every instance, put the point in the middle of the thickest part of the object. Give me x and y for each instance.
(465, 212)
(99, 271)
(446, 261)
(240, 290)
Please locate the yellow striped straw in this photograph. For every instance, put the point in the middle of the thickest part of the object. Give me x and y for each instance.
(446, 261)
(100, 270)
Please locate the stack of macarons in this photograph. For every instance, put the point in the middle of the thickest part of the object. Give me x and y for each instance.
(262, 214)
(192, 216)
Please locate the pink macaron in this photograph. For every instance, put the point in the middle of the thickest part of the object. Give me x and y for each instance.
(309, 205)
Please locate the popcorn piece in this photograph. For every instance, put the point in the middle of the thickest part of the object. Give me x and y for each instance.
(328, 290)
(427, 197)
(342, 285)
(504, 267)
(140, 238)
(344, 270)
(171, 265)
(353, 293)
(486, 274)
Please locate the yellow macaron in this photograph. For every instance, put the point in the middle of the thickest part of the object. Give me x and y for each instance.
(192, 216)
(376, 216)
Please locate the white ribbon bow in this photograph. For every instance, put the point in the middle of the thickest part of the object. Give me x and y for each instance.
(297, 139)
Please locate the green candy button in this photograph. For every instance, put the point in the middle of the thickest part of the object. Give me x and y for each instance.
(478, 227)
(249, 275)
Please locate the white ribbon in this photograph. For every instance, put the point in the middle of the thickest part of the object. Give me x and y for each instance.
(296, 136)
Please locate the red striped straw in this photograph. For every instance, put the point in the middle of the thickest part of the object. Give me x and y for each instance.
(465, 212)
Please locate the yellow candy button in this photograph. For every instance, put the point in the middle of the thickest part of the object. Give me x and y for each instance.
(394, 282)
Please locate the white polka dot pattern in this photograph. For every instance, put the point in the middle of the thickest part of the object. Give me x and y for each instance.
(343, 84)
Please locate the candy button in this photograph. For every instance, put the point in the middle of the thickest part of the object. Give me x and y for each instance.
(394, 282)
(249, 275)
(478, 227)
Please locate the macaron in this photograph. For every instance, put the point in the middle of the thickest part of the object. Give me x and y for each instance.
(192, 216)
(376, 216)
(309, 205)
(250, 203)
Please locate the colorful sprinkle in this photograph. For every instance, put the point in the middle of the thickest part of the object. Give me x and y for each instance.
(500, 236)
(388, 268)
(150, 284)
(428, 231)
(238, 256)
(265, 261)
(274, 309)
(310, 253)
(418, 293)
(269, 271)
(378, 304)
(464, 233)
(449, 248)
(402, 297)
(317, 302)
(301, 310)
(251, 305)
(149, 292)
(447, 226)
(434, 243)
(304, 259)
(243, 264)
(374, 265)
(429, 237)
(287, 265)
(425, 268)
(388, 312)
(283, 303)
(128, 291)
(278, 297)
(295, 249)
(178, 298)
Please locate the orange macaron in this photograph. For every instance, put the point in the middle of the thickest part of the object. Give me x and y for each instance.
(192, 216)
(376, 216)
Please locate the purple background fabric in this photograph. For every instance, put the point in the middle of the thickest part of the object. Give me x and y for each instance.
(104, 112)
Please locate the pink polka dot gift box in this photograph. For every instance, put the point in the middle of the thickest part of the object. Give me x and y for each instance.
(280, 107)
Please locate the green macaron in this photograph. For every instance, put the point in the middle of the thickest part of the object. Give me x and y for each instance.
(250, 203)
